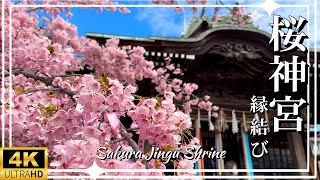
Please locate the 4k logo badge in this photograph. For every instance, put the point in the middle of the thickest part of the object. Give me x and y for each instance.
(24, 163)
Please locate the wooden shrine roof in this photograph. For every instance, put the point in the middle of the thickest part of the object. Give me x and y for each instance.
(228, 62)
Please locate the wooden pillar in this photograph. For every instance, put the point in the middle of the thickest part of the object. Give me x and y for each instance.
(197, 131)
(218, 140)
(314, 148)
(246, 145)
(267, 119)
(297, 149)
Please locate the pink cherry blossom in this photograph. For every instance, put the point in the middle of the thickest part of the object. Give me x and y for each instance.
(215, 108)
(68, 113)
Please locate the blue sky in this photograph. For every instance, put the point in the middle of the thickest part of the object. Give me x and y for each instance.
(144, 22)
(141, 22)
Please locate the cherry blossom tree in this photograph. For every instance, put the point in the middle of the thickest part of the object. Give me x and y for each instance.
(74, 114)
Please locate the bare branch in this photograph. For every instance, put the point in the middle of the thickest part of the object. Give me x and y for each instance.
(69, 75)
(42, 89)
(116, 141)
(223, 4)
(35, 9)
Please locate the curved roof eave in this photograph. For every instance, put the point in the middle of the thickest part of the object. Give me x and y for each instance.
(187, 40)
(209, 31)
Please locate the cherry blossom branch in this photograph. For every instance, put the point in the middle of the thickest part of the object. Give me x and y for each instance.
(35, 9)
(48, 82)
(122, 138)
(45, 80)
(102, 118)
(116, 140)
(69, 75)
(131, 142)
(126, 136)
(42, 89)
(132, 129)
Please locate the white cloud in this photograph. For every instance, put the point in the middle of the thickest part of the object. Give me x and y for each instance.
(162, 21)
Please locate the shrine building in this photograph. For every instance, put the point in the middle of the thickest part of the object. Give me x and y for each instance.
(231, 64)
